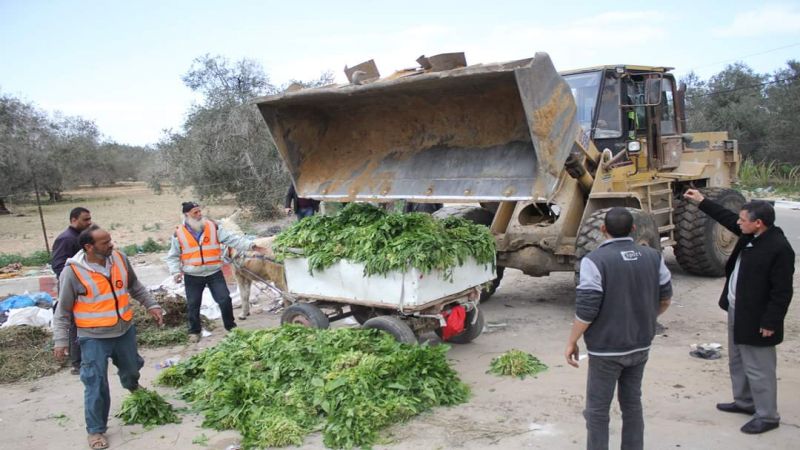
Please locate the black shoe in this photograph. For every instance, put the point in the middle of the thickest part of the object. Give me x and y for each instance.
(734, 408)
(75, 371)
(758, 426)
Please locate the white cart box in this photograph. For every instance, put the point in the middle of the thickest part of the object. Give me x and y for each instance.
(345, 282)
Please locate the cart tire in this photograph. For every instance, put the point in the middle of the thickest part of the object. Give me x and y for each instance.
(394, 326)
(363, 313)
(305, 314)
(471, 331)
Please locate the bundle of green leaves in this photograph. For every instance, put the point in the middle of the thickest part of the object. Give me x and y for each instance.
(516, 363)
(146, 408)
(385, 242)
(275, 386)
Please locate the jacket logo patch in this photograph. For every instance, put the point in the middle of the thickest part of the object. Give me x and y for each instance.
(118, 284)
(630, 255)
(206, 240)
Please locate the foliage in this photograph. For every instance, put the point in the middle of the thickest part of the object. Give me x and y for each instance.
(275, 386)
(57, 152)
(758, 110)
(149, 246)
(782, 177)
(146, 408)
(37, 258)
(26, 353)
(385, 241)
(516, 363)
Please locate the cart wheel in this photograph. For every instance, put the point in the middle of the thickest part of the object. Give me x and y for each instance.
(471, 331)
(305, 314)
(394, 326)
(363, 313)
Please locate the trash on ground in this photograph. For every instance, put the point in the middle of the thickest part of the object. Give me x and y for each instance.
(706, 351)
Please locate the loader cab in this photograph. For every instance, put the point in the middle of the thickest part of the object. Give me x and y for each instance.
(611, 104)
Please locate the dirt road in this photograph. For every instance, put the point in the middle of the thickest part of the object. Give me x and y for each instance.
(532, 314)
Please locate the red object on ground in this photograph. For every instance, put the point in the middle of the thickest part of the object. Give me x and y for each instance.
(456, 318)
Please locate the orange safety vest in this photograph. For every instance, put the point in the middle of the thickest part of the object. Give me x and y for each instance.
(106, 299)
(205, 253)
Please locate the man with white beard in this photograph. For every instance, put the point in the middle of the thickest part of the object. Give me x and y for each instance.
(195, 256)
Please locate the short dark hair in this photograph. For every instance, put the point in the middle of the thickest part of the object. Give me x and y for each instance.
(618, 222)
(86, 236)
(759, 209)
(76, 212)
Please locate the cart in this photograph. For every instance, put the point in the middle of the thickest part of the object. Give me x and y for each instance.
(403, 304)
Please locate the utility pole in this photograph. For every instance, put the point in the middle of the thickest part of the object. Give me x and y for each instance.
(41, 216)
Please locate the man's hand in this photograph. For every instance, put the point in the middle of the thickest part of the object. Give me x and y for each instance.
(571, 353)
(694, 195)
(60, 352)
(765, 332)
(158, 315)
(178, 277)
(288, 211)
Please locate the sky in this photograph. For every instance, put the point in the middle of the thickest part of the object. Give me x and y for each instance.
(120, 63)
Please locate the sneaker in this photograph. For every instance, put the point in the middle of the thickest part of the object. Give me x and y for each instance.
(75, 371)
(194, 338)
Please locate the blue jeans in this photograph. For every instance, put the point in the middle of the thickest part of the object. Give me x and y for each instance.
(605, 372)
(94, 374)
(302, 213)
(194, 298)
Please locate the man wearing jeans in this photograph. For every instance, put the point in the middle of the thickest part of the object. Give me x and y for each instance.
(95, 288)
(195, 256)
(623, 288)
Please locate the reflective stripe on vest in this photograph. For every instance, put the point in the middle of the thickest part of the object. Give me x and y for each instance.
(106, 299)
(205, 253)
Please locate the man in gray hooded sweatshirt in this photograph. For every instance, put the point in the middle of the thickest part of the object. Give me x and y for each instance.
(96, 287)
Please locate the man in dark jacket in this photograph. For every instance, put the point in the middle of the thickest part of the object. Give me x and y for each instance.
(623, 288)
(302, 207)
(65, 247)
(757, 293)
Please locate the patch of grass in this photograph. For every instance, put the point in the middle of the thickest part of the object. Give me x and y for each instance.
(149, 246)
(782, 177)
(26, 353)
(201, 440)
(38, 258)
(516, 363)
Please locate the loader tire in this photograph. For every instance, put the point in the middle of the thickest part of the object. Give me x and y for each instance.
(481, 216)
(393, 325)
(591, 236)
(702, 246)
(364, 313)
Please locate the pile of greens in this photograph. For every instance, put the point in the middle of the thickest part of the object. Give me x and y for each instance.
(146, 408)
(275, 386)
(516, 363)
(384, 242)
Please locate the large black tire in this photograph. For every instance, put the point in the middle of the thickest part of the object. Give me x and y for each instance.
(702, 246)
(481, 216)
(591, 236)
(471, 330)
(364, 313)
(393, 325)
(305, 314)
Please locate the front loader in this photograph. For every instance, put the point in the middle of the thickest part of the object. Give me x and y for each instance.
(544, 154)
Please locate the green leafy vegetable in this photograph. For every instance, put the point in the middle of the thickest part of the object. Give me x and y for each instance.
(275, 386)
(516, 363)
(384, 242)
(147, 408)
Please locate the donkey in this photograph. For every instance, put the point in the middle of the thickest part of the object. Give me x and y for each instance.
(249, 267)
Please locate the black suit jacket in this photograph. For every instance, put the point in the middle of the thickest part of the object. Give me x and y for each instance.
(764, 286)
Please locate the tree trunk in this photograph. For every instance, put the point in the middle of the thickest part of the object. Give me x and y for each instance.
(3, 209)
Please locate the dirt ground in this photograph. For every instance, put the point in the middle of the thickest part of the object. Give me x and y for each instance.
(130, 211)
(532, 314)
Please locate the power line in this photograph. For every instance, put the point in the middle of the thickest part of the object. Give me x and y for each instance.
(746, 56)
(754, 86)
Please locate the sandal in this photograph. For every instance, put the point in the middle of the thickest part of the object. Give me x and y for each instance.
(97, 441)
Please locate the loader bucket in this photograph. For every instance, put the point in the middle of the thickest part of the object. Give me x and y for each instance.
(478, 133)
